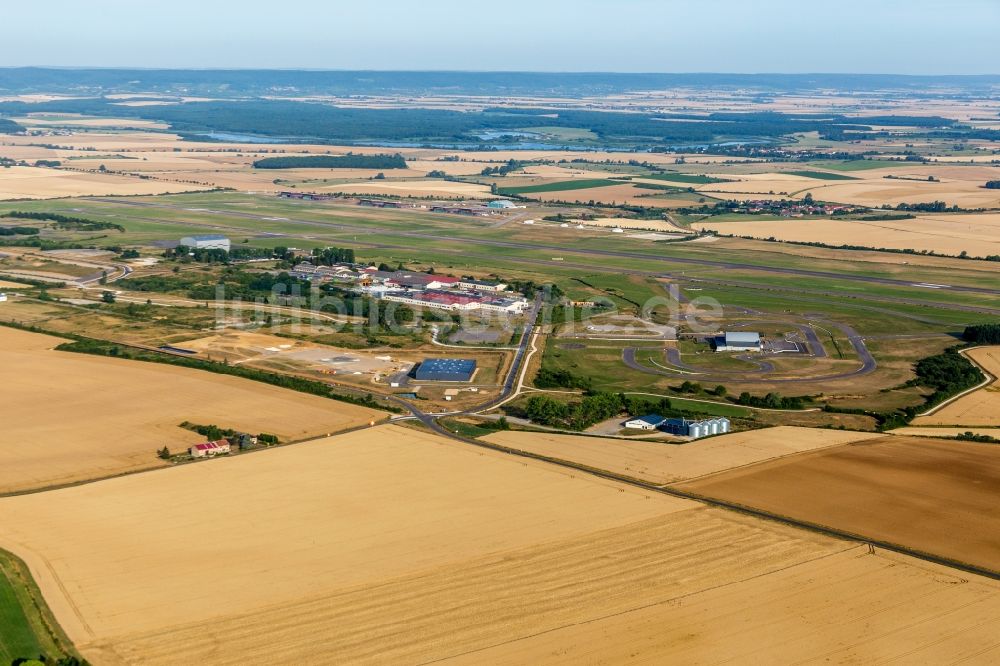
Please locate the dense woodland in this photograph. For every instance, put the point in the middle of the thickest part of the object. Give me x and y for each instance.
(8, 126)
(324, 123)
(349, 161)
(66, 222)
(986, 334)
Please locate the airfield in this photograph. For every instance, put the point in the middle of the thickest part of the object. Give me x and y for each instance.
(406, 520)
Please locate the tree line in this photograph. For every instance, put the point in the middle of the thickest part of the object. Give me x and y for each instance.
(349, 161)
(65, 221)
(987, 334)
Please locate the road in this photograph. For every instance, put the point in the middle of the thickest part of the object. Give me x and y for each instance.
(511, 386)
(620, 254)
(758, 376)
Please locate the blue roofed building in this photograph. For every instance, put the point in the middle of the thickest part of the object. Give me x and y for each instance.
(445, 370)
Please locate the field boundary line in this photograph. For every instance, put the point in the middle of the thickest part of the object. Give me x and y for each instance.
(670, 489)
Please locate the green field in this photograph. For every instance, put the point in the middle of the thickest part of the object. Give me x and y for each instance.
(561, 186)
(821, 175)
(856, 165)
(692, 178)
(712, 408)
(27, 628)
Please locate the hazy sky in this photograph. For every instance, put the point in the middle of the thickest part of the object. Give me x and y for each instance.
(885, 36)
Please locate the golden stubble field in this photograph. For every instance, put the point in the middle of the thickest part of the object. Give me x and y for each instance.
(979, 408)
(976, 234)
(933, 495)
(667, 463)
(70, 417)
(955, 184)
(38, 183)
(392, 545)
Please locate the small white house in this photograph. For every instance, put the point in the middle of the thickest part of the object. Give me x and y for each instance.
(647, 422)
(3, 298)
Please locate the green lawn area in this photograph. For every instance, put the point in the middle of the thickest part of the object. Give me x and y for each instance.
(856, 165)
(23, 630)
(821, 175)
(561, 186)
(712, 408)
(464, 429)
(693, 178)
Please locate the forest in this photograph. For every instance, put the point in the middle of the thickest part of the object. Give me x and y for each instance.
(323, 123)
(349, 161)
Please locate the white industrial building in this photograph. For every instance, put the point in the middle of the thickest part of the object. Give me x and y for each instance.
(207, 242)
(3, 298)
(738, 341)
(478, 285)
(647, 422)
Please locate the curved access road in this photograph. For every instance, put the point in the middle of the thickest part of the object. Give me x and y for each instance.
(868, 365)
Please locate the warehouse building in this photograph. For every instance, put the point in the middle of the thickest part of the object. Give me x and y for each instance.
(501, 204)
(647, 422)
(736, 342)
(695, 429)
(206, 242)
(210, 449)
(446, 370)
(478, 285)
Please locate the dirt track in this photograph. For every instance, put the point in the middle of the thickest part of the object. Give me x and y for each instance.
(666, 463)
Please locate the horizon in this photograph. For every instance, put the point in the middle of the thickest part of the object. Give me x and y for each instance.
(497, 71)
(919, 37)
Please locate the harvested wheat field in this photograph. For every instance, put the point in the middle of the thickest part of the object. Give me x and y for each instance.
(955, 185)
(979, 408)
(978, 235)
(322, 547)
(847, 607)
(70, 417)
(944, 431)
(667, 463)
(935, 496)
(38, 183)
(396, 546)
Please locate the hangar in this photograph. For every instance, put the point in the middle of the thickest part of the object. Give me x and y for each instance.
(730, 341)
(206, 242)
(446, 370)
